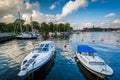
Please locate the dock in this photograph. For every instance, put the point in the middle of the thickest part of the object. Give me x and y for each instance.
(6, 37)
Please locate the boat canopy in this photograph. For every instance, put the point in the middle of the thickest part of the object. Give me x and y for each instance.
(85, 48)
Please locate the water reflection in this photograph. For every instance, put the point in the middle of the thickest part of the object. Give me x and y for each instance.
(42, 72)
(88, 75)
(63, 67)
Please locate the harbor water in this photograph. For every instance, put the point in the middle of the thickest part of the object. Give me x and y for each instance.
(63, 65)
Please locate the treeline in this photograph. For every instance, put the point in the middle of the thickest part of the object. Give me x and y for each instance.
(100, 29)
(19, 25)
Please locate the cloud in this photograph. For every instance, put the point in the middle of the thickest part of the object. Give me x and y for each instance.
(103, 24)
(71, 6)
(94, 0)
(8, 18)
(52, 6)
(7, 6)
(24, 6)
(40, 17)
(88, 24)
(9, 11)
(110, 15)
(117, 21)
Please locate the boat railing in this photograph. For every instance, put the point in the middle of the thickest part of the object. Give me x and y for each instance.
(96, 63)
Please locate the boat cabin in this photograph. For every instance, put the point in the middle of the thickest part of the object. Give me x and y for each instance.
(44, 47)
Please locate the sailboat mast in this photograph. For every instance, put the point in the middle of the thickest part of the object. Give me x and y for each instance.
(31, 24)
(20, 21)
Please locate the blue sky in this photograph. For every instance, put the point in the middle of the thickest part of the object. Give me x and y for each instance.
(79, 13)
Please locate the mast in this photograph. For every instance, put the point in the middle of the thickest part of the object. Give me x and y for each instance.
(31, 23)
(20, 21)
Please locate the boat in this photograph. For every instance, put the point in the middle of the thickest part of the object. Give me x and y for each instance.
(51, 34)
(27, 35)
(89, 58)
(39, 56)
(58, 33)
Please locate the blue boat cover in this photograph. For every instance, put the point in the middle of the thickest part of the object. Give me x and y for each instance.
(85, 48)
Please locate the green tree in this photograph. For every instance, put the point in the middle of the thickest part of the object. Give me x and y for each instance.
(44, 27)
(61, 27)
(35, 25)
(2, 27)
(51, 26)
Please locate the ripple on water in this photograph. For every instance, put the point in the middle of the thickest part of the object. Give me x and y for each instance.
(65, 66)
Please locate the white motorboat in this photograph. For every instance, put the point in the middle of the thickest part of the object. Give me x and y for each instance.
(27, 35)
(51, 33)
(39, 56)
(58, 33)
(91, 61)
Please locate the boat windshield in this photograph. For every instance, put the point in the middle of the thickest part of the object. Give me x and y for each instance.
(41, 45)
(88, 53)
(41, 48)
(46, 48)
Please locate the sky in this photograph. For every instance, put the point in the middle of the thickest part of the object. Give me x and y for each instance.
(79, 13)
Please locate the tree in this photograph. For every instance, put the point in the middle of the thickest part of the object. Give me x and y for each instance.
(2, 27)
(51, 26)
(35, 25)
(44, 27)
(61, 27)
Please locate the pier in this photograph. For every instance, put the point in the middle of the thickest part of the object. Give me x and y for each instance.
(6, 37)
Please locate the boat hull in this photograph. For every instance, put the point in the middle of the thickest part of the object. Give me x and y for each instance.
(24, 73)
(26, 37)
(92, 71)
(36, 59)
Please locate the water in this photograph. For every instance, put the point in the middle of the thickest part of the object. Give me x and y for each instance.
(63, 65)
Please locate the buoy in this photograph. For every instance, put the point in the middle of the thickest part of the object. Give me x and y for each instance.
(93, 40)
(102, 39)
(117, 41)
(82, 40)
(65, 45)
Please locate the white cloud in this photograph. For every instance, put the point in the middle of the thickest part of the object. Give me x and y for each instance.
(88, 24)
(82, 25)
(9, 12)
(8, 18)
(110, 15)
(40, 17)
(52, 6)
(27, 9)
(117, 21)
(9, 6)
(94, 0)
(71, 6)
(13, 6)
(28, 5)
(102, 24)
